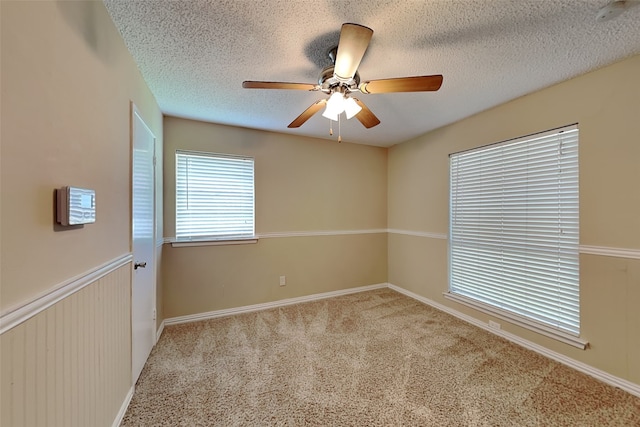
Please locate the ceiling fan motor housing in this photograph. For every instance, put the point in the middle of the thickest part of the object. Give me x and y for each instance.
(329, 82)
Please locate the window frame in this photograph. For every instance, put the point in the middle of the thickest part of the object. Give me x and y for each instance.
(213, 239)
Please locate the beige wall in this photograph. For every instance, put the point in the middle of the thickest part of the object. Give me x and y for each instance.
(67, 82)
(202, 279)
(606, 106)
(302, 185)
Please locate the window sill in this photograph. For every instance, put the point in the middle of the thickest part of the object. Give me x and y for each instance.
(214, 242)
(519, 321)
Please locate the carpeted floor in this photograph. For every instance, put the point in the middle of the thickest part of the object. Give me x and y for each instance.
(375, 358)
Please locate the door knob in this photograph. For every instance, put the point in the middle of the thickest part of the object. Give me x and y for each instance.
(139, 265)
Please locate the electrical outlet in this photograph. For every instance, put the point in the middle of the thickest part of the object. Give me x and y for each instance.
(494, 325)
(283, 280)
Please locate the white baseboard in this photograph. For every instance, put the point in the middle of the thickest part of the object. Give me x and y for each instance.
(603, 376)
(268, 305)
(159, 331)
(123, 408)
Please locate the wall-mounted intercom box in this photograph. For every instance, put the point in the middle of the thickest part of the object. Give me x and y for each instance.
(75, 206)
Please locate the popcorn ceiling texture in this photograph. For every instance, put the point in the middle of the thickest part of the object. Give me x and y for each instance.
(195, 54)
(374, 358)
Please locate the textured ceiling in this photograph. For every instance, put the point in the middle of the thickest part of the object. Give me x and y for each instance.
(195, 54)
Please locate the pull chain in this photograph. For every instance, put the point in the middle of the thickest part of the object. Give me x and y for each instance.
(339, 129)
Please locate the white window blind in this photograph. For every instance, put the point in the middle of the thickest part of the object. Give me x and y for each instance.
(514, 228)
(214, 196)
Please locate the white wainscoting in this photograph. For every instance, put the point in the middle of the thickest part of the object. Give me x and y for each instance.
(66, 356)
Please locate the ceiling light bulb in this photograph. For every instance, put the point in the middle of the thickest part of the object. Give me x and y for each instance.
(351, 107)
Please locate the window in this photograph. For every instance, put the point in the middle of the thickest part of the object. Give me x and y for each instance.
(214, 196)
(514, 231)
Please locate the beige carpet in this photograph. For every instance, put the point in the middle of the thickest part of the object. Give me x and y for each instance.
(375, 358)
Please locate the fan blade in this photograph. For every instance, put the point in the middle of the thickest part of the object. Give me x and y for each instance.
(366, 117)
(248, 84)
(403, 84)
(354, 40)
(306, 115)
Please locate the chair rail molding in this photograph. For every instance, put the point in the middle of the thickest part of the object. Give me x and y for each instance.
(15, 316)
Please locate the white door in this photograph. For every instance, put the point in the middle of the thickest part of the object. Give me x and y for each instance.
(143, 244)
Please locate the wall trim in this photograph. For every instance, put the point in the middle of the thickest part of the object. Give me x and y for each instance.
(279, 234)
(123, 408)
(539, 328)
(418, 233)
(319, 233)
(603, 376)
(18, 315)
(609, 251)
(267, 305)
(583, 249)
(213, 242)
(159, 332)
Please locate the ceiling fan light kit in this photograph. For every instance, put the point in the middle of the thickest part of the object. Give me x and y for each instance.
(337, 104)
(342, 78)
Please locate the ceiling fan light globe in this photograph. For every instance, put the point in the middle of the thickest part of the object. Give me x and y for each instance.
(335, 105)
(330, 115)
(351, 108)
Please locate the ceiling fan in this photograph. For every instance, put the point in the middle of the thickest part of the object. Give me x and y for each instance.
(341, 79)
